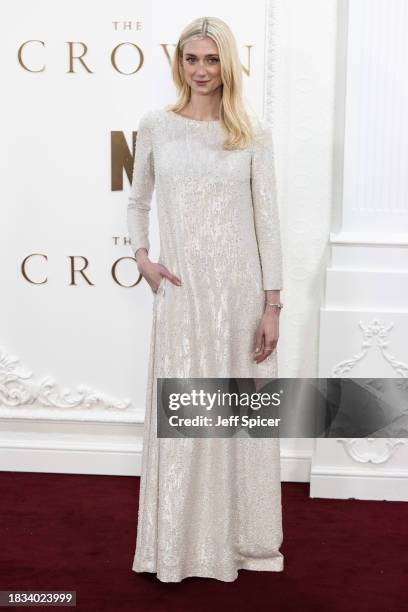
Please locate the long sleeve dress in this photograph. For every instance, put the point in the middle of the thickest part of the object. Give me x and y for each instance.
(207, 506)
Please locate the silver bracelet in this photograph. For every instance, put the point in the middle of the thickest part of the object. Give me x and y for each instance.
(280, 305)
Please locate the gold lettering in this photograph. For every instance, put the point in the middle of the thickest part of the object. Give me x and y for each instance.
(79, 57)
(248, 70)
(73, 270)
(166, 53)
(121, 159)
(113, 272)
(20, 56)
(113, 58)
(23, 268)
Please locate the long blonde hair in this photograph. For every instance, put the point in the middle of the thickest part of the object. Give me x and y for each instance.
(233, 115)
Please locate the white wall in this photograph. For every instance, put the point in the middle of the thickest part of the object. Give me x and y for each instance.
(74, 356)
(85, 346)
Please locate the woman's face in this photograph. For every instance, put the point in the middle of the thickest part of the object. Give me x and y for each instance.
(201, 65)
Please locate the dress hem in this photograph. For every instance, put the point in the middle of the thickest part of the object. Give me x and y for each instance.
(261, 565)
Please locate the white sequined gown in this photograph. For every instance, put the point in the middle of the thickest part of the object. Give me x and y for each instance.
(208, 507)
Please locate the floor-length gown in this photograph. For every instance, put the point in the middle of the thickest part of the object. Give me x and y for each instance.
(208, 506)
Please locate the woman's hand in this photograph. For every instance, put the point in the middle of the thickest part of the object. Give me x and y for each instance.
(154, 272)
(267, 334)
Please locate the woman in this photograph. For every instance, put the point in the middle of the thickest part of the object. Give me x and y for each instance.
(208, 506)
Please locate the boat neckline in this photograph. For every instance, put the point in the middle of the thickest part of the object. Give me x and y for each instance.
(193, 120)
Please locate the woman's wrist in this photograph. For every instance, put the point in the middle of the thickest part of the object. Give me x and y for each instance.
(273, 304)
(273, 311)
(141, 254)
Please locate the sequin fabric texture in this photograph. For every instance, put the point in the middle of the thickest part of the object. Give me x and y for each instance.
(208, 506)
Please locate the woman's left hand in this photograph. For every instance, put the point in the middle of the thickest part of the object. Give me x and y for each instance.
(267, 335)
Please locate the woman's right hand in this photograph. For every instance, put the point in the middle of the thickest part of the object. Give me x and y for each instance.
(154, 272)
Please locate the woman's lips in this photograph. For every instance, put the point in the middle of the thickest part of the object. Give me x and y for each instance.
(201, 82)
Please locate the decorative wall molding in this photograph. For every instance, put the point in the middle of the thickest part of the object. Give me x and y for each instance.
(339, 482)
(370, 450)
(82, 452)
(375, 180)
(375, 334)
(23, 397)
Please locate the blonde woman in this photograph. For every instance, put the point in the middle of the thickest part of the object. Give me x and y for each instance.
(208, 506)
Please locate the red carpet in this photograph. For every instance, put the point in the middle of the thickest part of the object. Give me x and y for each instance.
(78, 533)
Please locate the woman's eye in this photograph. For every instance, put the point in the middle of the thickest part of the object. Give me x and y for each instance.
(211, 60)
